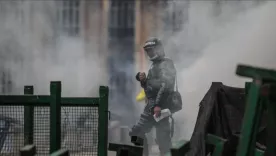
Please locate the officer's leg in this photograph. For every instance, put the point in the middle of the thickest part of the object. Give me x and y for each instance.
(143, 126)
(163, 136)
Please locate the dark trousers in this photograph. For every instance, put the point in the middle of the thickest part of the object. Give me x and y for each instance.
(146, 123)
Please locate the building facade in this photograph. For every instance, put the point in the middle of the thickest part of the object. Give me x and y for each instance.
(113, 31)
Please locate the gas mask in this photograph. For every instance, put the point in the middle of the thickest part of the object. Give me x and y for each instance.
(154, 49)
(152, 54)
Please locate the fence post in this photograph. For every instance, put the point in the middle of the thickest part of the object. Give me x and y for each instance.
(103, 121)
(271, 121)
(249, 126)
(257, 98)
(28, 118)
(55, 116)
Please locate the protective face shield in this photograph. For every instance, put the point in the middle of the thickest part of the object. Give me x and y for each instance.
(154, 49)
(152, 54)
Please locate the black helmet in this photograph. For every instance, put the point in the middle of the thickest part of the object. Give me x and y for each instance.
(154, 49)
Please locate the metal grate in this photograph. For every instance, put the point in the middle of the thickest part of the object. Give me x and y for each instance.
(79, 126)
(11, 130)
(80, 130)
(42, 130)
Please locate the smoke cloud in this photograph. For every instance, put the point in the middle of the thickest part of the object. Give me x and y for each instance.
(37, 52)
(213, 40)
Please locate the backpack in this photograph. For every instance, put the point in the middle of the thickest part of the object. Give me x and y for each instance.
(175, 99)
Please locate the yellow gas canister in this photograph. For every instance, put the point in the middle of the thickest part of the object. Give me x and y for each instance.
(141, 96)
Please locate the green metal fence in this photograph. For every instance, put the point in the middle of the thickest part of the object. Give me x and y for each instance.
(51, 122)
(261, 96)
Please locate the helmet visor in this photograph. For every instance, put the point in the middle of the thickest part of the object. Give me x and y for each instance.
(150, 52)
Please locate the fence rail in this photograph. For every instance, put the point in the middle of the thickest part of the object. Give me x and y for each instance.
(51, 122)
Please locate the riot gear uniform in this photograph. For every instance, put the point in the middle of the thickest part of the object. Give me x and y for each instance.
(158, 85)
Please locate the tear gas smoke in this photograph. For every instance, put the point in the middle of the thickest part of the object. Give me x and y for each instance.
(238, 32)
(32, 35)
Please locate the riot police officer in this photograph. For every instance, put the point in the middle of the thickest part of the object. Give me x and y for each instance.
(158, 85)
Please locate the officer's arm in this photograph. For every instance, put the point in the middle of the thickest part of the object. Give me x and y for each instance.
(167, 76)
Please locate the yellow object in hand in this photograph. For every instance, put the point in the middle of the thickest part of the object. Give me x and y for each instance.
(141, 96)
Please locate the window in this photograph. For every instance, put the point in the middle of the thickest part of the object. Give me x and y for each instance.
(122, 14)
(174, 15)
(6, 84)
(69, 17)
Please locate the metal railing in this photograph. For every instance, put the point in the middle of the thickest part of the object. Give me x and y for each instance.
(51, 122)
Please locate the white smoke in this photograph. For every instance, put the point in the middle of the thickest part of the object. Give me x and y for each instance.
(30, 31)
(239, 32)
